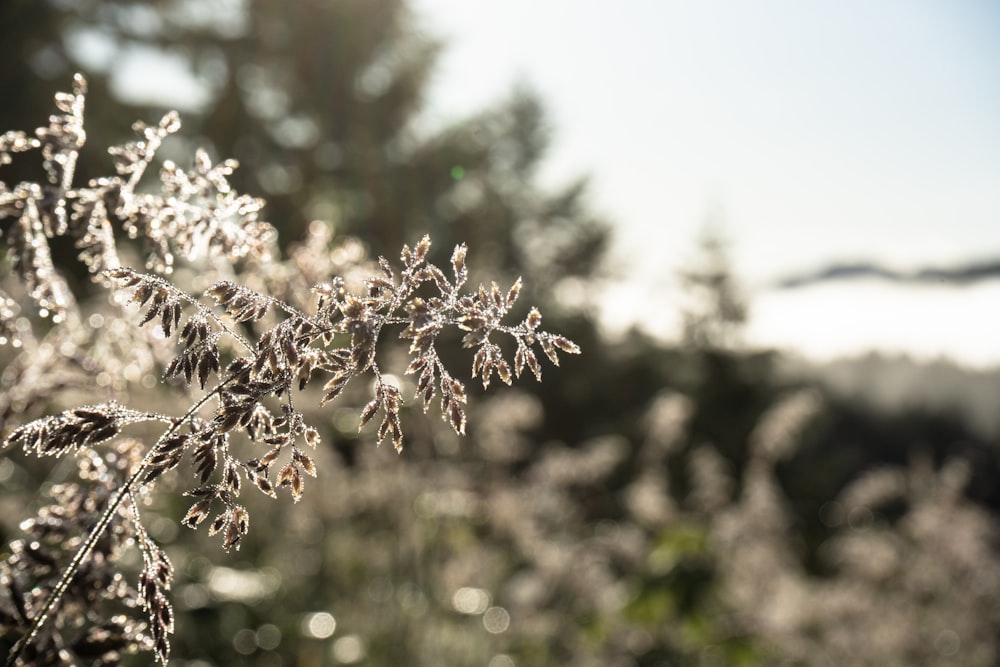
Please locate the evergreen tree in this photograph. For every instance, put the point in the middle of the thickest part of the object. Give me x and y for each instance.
(317, 101)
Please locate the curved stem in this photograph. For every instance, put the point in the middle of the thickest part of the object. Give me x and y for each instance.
(87, 548)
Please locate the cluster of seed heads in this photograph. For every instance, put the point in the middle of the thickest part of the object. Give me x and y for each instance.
(248, 353)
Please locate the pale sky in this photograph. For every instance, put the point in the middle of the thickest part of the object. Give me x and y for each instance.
(815, 131)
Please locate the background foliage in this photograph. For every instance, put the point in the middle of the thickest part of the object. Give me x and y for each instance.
(648, 504)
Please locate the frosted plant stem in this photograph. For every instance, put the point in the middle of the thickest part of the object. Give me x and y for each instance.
(87, 548)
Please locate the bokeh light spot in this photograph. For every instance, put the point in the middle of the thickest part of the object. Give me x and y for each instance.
(319, 625)
(468, 600)
(348, 650)
(245, 641)
(496, 620)
(268, 636)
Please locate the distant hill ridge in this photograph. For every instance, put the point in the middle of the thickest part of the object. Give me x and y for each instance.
(958, 275)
